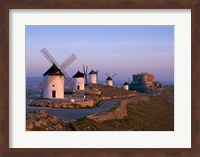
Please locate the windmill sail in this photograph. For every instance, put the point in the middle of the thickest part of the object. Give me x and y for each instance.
(111, 77)
(57, 70)
(68, 80)
(85, 70)
(49, 57)
(68, 61)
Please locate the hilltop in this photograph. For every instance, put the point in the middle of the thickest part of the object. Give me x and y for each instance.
(153, 113)
(104, 91)
(156, 114)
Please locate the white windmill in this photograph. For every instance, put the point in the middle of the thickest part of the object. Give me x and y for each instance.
(93, 76)
(109, 80)
(55, 77)
(79, 81)
(126, 86)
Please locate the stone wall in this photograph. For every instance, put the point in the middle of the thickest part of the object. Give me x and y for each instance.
(57, 104)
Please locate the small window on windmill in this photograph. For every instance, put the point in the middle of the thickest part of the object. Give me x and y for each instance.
(53, 85)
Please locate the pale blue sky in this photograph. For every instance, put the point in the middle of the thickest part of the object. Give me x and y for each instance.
(124, 50)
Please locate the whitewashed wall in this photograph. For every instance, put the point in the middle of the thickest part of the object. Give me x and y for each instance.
(57, 84)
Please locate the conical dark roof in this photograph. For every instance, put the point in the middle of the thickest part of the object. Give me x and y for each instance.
(92, 72)
(109, 78)
(125, 83)
(78, 74)
(53, 70)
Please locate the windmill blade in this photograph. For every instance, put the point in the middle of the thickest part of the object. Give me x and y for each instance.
(66, 76)
(49, 57)
(85, 70)
(70, 83)
(68, 61)
(107, 74)
(68, 80)
(113, 75)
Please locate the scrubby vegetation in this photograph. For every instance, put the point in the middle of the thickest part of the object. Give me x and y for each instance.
(41, 121)
(108, 92)
(154, 114)
(157, 114)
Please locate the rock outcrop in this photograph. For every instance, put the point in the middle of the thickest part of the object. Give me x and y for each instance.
(41, 121)
(60, 104)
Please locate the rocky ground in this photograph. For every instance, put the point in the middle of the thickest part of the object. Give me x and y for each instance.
(148, 113)
(88, 98)
(153, 113)
(41, 121)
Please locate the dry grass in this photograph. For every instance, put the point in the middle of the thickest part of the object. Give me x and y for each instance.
(154, 115)
(109, 92)
(157, 114)
(42, 121)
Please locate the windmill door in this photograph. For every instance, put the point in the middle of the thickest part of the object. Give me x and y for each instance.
(53, 94)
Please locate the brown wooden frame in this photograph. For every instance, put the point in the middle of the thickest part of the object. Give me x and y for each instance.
(194, 5)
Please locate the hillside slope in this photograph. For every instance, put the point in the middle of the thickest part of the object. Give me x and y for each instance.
(157, 114)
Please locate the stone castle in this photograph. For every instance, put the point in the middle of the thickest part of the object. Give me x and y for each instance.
(145, 82)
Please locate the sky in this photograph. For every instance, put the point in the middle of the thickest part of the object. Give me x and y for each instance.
(124, 50)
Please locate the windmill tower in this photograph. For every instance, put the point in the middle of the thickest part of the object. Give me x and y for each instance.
(109, 80)
(79, 81)
(93, 76)
(126, 86)
(54, 78)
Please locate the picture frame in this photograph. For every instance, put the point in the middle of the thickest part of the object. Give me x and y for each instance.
(194, 5)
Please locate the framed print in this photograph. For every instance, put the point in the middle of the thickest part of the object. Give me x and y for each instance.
(100, 78)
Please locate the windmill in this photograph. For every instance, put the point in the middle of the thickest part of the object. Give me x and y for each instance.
(126, 86)
(109, 80)
(93, 76)
(79, 81)
(55, 77)
(85, 71)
